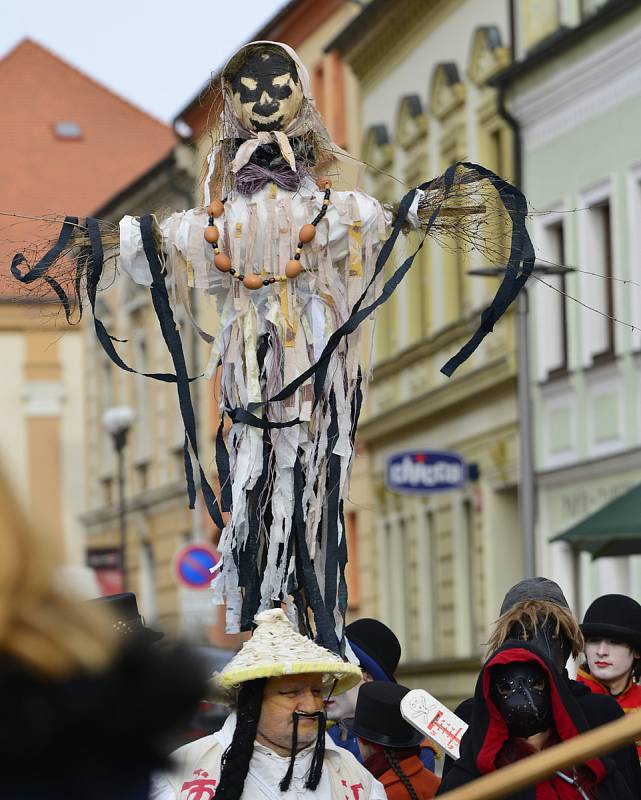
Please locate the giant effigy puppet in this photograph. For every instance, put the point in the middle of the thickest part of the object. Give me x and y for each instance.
(295, 268)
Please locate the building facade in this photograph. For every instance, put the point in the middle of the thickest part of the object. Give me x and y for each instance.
(577, 101)
(158, 520)
(435, 567)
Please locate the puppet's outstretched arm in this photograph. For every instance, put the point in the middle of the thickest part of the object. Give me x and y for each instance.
(473, 207)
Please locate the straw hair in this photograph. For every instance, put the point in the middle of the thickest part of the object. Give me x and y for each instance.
(50, 633)
(528, 616)
(276, 649)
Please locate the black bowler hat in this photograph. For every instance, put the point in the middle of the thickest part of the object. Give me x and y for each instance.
(378, 717)
(378, 643)
(614, 616)
(126, 617)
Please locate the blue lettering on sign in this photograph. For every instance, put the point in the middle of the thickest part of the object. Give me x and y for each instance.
(425, 471)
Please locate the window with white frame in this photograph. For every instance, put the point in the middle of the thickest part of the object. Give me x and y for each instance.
(633, 298)
(106, 395)
(476, 599)
(142, 424)
(552, 306)
(396, 541)
(600, 294)
(147, 581)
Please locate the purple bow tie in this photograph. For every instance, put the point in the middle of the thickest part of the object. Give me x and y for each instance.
(252, 177)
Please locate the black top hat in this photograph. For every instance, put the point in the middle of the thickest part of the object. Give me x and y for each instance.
(378, 642)
(127, 619)
(378, 717)
(614, 616)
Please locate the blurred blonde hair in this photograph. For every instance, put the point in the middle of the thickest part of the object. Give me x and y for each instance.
(50, 633)
(527, 617)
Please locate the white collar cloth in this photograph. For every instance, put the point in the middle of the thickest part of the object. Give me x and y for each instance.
(267, 769)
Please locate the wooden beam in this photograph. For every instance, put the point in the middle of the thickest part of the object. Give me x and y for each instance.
(537, 768)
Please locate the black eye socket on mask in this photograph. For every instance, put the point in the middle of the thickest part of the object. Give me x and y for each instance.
(504, 686)
(263, 70)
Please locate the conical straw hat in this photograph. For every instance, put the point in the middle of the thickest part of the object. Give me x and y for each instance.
(276, 649)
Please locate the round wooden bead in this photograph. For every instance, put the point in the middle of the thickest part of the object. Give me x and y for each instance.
(324, 182)
(293, 268)
(307, 233)
(222, 262)
(252, 281)
(215, 208)
(211, 234)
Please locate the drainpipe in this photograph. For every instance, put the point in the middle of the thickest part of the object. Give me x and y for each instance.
(527, 485)
(517, 152)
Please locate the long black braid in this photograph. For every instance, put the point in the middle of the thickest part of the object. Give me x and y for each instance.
(316, 767)
(236, 758)
(394, 763)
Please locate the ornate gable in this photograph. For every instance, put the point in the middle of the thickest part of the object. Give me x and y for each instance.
(487, 54)
(377, 147)
(411, 122)
(448, 93)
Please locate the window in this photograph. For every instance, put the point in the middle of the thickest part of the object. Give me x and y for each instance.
(106, 485)
(318, 85)
(589, 7)
(147, 582)
(143, 413)
(106, 395)
(538, 20)
(351, 571)
(474, 531)
(601, 295)
(552, 309)
(67, 130)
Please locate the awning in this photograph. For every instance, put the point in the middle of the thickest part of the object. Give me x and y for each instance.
(613, 530)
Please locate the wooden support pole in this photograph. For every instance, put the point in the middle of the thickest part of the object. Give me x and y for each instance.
(535, 769)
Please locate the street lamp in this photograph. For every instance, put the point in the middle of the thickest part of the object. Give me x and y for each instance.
(527, 485)
(117, 421)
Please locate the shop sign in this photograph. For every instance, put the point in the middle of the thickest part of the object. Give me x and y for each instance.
(105, 561)
(425, 471)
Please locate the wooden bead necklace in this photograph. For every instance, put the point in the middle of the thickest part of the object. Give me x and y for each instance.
(293, 268)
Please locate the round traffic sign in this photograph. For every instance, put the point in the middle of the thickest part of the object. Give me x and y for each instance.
(193, 565)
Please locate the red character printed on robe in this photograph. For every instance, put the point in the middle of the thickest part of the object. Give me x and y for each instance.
(356, 790)
(202, 788)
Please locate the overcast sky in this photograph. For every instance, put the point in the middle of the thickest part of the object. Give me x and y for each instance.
(156, 53)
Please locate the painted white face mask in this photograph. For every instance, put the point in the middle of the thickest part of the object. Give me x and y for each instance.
(266, 92)
(608, 659)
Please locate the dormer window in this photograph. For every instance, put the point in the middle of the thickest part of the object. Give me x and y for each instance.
(67, 130)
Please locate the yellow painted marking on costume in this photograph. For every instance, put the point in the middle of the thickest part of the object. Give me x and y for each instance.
(290, 325)
(355, 249)
(252, 376)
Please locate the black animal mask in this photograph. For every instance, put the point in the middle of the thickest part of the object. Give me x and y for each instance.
(266, 91)
(521, 692)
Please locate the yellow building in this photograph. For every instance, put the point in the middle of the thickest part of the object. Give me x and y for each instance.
(75, 129)
(158, 519)
(435, 566)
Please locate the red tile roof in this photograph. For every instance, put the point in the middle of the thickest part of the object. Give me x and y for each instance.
(41, 173)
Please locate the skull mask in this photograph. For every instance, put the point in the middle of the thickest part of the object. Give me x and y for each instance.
(265, 90)
(521, 693)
